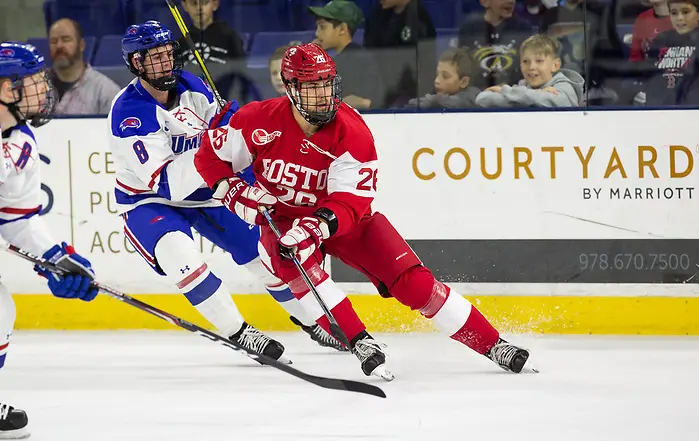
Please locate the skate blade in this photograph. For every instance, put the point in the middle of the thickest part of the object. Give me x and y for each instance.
(281, 359)
(15, 434)
(529, 368)
(285, 360)
(382, 372)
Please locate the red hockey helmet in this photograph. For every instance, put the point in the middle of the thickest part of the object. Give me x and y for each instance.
(319, 100)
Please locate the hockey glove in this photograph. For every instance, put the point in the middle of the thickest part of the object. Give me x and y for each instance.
(243, 200)
(223, 117)
(76, 284)
(305, 237)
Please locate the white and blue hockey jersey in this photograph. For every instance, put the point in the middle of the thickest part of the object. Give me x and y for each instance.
(20, 192)
(154, 147)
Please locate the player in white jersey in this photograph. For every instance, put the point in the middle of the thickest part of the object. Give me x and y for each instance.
(155, 126)
(25, 95)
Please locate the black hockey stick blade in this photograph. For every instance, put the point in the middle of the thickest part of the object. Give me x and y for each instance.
(324, 382)
(335, 329)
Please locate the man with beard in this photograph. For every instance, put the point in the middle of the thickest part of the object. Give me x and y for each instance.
(81, 89)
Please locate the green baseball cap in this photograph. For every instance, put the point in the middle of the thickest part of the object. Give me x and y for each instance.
(344, 11)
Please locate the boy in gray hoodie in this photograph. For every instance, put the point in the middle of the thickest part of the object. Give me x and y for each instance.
(451, 83)
(545, 84)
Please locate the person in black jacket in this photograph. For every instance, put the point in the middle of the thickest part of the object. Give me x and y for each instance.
(672, 56)
(221, 48)
(494, 39)
(401, 35)
(216, 41)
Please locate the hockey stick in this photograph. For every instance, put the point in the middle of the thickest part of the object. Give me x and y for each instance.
(197, 55)
(335, 329)
(327, 383)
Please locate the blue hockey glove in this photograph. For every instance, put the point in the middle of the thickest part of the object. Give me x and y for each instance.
(223, 117)
(76, 284)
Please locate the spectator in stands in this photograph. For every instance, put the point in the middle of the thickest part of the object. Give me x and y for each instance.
(275, 70)
(401, 35)
(452, 83)
(647, 26)
(493, 39)
(336, 23)
(672, 55)
(81, 89)
(216, 41)
(545, 84)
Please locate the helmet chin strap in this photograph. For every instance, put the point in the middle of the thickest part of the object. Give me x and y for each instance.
(163, 84)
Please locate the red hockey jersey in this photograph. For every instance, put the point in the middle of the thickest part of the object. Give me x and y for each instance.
(335, 168)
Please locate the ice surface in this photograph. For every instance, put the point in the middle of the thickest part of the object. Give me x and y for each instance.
(173, 386)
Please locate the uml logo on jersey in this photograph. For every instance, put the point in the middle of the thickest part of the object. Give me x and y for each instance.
(183, 143)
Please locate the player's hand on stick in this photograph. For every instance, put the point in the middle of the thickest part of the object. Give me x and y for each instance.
(75, 284)
(305, 237)
(244, 200)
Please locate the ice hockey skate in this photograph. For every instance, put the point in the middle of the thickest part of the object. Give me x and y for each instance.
(373, 360)
(13, 422)
(319, 336)
(253, 339)
(510, 357)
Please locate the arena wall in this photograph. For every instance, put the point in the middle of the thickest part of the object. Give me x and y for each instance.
(551, 222)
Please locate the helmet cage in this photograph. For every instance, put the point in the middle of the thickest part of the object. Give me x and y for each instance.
(165, 82)
(316, 109)
(20, 107)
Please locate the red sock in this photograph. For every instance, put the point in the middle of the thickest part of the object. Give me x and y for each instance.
(477, 333)
(451, 312)
(346, 317)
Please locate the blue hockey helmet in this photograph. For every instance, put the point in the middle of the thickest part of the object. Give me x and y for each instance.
(161, 72)
(33, 95)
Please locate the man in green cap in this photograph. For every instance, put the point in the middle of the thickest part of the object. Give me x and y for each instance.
(336, 23)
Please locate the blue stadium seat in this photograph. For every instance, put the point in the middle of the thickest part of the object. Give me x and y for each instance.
(444, 13)
(247, 38)
(140, 11)
(97, 17)
(119, 74)
(358, 37)
(50, 13)
(90, 47)
(256, 16)
(109, 52)
(42, 44)
(264, 44)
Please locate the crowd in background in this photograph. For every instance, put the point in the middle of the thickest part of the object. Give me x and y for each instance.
(391, 54)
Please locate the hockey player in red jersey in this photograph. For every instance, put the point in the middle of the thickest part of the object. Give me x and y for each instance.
(316, 167)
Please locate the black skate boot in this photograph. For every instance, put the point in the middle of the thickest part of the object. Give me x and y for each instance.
(319, 336)
(369, 353)
(508, 356)
(251, 338)
(13, 422)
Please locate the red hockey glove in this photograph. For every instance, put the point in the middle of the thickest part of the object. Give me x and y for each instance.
(305, 237)
(243, 200)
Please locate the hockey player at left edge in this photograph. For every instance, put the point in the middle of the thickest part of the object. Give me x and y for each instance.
(27, 97)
